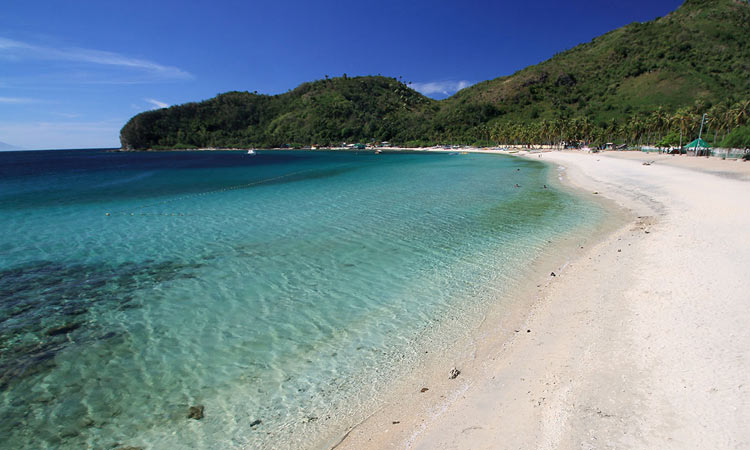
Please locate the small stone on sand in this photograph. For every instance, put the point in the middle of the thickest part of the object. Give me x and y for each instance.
(196, 412)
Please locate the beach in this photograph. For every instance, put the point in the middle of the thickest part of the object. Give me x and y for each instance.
(361, 300)
(638, 340)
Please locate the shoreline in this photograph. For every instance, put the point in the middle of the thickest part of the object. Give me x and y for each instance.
(406, 408)
(613, 368)
(715, 164)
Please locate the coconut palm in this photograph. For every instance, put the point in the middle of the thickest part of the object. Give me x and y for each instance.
(528, 133)
(545, 131)
(682, 119)
(740, 112)
(586, 127)
(483, 132)
(497, 132)
(660, 119)
(712, 124)
(633, 130)
(562, 129)
(611, 129)
(718, 118)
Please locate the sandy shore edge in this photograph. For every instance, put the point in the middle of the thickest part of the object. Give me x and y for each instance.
(637, 343)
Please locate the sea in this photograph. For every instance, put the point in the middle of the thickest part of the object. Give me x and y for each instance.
(274, 298)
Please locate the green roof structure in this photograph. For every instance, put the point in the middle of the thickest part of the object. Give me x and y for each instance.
(698, 143)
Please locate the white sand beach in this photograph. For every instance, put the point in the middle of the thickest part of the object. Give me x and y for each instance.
(640, 341)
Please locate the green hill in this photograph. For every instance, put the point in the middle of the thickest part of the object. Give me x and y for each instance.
(637, 83)
(701, 52)
(320, 112)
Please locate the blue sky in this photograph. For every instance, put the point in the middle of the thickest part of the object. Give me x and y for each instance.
(73, 72)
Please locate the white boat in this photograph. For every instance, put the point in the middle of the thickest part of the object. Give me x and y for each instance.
(251, 152)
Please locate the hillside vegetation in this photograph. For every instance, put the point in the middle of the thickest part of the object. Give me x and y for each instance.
(642, 83)
(319, 112)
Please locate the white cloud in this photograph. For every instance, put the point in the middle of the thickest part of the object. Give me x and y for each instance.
(440, 87)
(157, 104)
(16, 100)
(18, 50)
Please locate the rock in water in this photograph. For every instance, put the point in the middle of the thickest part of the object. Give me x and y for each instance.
(65, 329)
(196, 412)
(255, 423)
(454, 373)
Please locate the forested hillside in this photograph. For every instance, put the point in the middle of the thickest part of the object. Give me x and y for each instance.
(320, 112)
(643, 83)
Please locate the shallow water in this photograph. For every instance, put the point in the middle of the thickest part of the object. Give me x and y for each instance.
(288, 287)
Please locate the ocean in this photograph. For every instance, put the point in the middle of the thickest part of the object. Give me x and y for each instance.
(282, 292)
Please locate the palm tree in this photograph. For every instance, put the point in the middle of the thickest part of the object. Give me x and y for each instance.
(515, 133)
(682, 119)
(498, 132)
(660, 119)
(597, 135)
(528, 134)
(712, 123)
(586, 127)
(718, 115)
(484, 132)
(740, 112)
(633, 130)
(562, 129)
(545, 131)
(533, 130)
(611, 129)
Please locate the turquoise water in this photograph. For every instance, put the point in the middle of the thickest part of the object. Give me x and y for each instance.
(286, 288)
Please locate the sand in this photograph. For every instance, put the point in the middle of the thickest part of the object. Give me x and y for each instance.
(642, 340)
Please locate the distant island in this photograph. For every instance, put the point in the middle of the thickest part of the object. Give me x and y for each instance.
(643, 84)
(4, 146)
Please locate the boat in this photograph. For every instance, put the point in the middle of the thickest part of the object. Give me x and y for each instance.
(251, 152)
(378, 151)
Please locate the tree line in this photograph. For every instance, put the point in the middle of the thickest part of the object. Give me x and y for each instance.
(658, 128)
